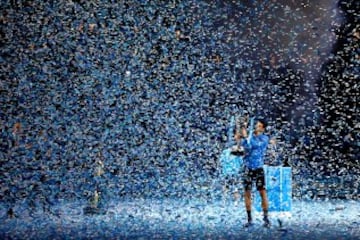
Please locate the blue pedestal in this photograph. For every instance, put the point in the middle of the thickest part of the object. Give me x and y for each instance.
(230, 164)
(279, 189)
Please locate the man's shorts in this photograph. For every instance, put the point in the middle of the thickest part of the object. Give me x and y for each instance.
(254, 175)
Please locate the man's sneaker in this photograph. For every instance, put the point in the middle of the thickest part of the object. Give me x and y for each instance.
(267, 223)
(248, 224)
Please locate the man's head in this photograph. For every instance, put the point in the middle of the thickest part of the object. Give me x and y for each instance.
(260, 126)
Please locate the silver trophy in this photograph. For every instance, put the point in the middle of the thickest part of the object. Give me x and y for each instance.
(241, 122)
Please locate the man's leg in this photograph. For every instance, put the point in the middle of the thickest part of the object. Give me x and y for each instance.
(247, 198)
(265, 207)
(247, 184)
(264, 200)
(260, 182)
(264, 203)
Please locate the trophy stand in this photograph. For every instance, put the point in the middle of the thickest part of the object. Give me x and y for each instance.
(94, 206)
(231, 158)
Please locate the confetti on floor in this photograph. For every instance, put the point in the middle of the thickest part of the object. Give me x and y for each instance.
(184, 219)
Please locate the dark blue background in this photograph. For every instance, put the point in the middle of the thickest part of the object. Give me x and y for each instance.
(149, 87)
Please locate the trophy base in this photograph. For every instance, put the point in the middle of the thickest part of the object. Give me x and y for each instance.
(237, 151)
(90, 210)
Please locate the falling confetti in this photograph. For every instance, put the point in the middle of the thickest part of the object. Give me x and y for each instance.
(104, 100)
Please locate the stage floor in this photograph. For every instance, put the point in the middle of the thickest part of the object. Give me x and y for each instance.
(182, 219)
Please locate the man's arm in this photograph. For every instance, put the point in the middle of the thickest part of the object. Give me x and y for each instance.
(244, 139)
(255, 142)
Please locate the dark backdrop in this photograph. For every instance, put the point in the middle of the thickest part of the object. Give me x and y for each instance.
(149, 87)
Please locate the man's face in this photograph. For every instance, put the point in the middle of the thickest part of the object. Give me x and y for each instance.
(259, 127)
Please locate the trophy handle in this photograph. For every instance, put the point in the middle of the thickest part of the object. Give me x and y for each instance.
(251, 129)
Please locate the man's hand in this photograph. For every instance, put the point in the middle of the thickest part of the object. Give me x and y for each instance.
(237, 136)
(244, 132)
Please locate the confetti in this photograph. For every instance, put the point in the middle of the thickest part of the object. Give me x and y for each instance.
(132, 100)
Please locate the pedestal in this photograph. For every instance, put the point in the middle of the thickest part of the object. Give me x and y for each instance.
(279, 190)
(230, 164)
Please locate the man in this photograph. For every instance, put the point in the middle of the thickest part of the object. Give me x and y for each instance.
(255, 148)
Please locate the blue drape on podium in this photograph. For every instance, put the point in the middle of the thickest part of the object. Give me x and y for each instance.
(279, 190)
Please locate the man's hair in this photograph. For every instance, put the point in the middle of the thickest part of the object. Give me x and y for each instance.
(263, 121)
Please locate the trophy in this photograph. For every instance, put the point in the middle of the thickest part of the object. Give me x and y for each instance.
(241, 122)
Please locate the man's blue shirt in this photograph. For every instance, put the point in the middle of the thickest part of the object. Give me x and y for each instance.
(255, 150)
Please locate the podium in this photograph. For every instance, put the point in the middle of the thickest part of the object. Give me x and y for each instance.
(279, 190)
(230, 164)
